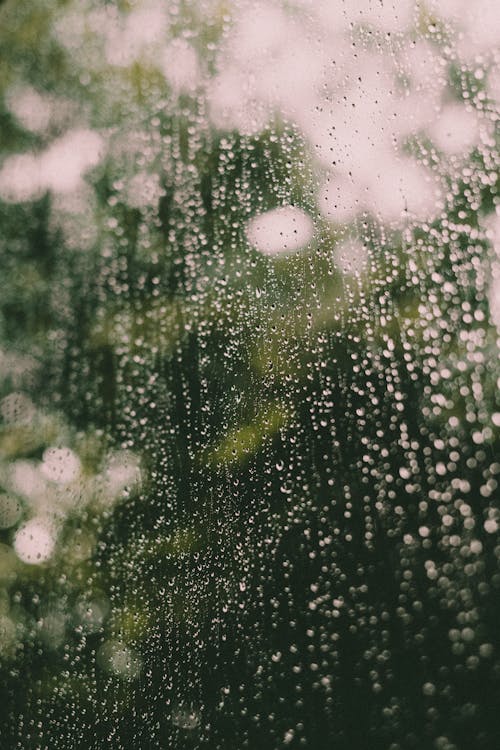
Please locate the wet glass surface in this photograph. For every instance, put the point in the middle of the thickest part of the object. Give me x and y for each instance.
(249, 375)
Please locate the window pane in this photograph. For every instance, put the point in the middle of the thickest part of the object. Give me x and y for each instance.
(249, 374)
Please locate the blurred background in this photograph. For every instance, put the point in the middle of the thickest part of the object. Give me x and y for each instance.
(249, 374)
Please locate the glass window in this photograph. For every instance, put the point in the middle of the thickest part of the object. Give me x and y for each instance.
(249, 375)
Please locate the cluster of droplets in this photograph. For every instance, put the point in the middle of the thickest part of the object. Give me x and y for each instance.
(278, 294)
